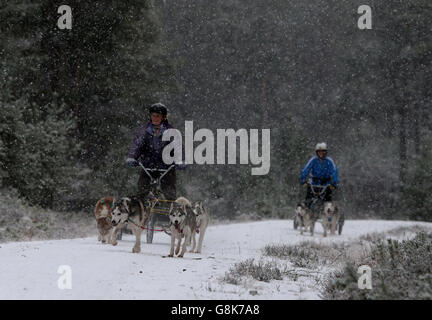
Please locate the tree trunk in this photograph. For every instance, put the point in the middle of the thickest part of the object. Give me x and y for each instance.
(416, 130)
(403, 144)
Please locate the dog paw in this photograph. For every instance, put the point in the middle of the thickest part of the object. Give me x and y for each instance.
(198, 251)
(180, 256)
(114, 243)
(136, 250)
(170, 255)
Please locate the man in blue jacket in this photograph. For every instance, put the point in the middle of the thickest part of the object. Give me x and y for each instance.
(147, 147)
(320, 170)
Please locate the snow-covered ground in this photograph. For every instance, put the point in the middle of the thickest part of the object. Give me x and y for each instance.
(29, 270)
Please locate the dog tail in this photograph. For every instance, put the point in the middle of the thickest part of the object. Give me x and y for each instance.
(183, 201)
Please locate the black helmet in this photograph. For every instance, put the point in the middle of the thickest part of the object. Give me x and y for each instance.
(158, 108)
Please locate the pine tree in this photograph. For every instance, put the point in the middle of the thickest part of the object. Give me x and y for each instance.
(107, 69)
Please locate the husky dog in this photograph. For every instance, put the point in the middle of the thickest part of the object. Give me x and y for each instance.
(132, 213)
(182, 222)
(102, 213)
(202, 217)
(305, 218)
(330, 218)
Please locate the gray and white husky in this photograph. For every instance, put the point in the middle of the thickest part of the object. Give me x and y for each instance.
(330, 218)
(130, 212)
(202, 217)
(182, 223)
(305, 218)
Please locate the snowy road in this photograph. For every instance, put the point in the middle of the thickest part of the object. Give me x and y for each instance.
(28, 270)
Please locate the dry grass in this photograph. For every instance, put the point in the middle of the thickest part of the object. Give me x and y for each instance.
(19, 222)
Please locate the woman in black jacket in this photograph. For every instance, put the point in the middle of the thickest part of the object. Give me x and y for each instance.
(147, 147)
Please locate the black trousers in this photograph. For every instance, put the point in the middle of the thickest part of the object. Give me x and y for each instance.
(168, 184)
(327, 196)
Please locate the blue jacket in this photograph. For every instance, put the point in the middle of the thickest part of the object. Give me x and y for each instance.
(147, 148)
(322, 172)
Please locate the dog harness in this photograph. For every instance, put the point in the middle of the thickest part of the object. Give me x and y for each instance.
(144, 228)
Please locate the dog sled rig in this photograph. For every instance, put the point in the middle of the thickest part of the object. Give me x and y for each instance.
(317, 205)
(159, 205)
